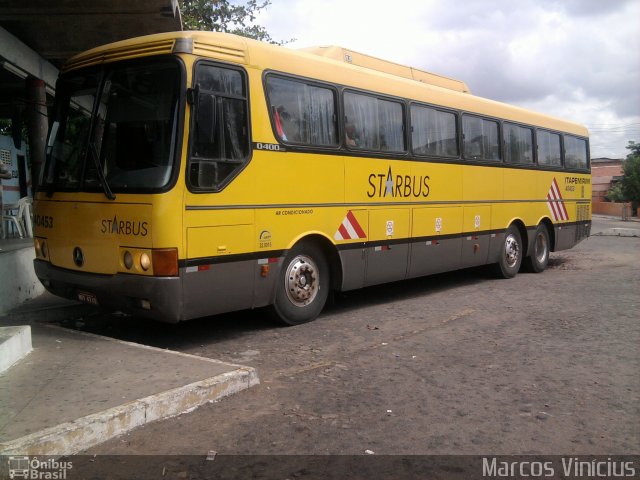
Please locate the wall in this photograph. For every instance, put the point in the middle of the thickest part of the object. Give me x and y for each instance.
(11, 187)
(610, 208)
(602, 173)
(21, 283)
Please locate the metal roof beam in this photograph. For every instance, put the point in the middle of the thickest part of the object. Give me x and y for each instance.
(22, 61)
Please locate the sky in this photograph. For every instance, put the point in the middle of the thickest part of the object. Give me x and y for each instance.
(574, 59)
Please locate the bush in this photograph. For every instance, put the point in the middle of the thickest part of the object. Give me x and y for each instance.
(614, 194)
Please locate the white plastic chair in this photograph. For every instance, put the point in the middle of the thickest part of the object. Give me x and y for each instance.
(18, 215)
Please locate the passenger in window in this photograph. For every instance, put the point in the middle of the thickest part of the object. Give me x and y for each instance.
(280, 115)
(351, 136)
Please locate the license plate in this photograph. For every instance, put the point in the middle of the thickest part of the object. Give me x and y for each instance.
(87, 298)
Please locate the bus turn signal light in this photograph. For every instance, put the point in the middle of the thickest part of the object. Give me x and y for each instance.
(165, 262)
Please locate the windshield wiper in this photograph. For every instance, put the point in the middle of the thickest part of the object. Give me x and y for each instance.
(103, 181)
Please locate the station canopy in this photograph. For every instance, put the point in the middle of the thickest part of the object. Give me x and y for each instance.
(37, 36)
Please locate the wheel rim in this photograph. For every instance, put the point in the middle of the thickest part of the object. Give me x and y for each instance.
(542, 248)
(302, 281)
(511, 250)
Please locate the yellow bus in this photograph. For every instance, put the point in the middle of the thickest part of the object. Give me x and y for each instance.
(190, 174)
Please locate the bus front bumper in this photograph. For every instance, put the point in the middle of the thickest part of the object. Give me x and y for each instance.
(158, 298)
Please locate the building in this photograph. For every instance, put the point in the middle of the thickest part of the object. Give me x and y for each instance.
(605, 172)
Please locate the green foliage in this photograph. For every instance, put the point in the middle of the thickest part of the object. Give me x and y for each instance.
(222, 16)
(5, 127)
(631, 180)
(614, 194)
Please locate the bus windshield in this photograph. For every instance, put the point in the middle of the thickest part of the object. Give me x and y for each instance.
(114, 129)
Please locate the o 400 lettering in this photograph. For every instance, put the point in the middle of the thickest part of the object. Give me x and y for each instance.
(272, 147)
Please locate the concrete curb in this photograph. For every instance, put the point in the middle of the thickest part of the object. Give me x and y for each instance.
(618, 232)
(15, 343)
(72, 437)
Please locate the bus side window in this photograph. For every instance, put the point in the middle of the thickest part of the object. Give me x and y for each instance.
(575, 153)
(219, 128)
(373, 123)
(302, 113)
(481, 138)
(549, 149)
(518, 143)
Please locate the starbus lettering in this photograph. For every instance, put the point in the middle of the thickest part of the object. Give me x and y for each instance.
(124, 227)
(400, 186)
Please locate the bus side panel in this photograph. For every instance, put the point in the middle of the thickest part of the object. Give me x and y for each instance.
(475, 244)
(217, 288)
(353, 268)
(440, 245)
(565, 236)
(220, 283)
(388, 262)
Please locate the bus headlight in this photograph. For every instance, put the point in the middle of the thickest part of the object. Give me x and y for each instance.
(145, 262)
(128, 260)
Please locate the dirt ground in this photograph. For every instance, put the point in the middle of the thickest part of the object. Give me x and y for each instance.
(452, 364)
(457, 364)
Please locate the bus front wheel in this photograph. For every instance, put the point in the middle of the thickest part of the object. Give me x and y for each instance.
(303, 286)
(510, 254)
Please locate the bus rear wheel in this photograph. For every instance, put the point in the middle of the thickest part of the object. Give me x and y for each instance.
(303, 286)
(510, 254)
(539, 258)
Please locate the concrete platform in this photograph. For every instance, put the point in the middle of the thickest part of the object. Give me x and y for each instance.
(76, 390)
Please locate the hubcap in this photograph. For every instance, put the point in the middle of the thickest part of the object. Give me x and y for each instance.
(302, 281)
(542, 249)
(511, 250)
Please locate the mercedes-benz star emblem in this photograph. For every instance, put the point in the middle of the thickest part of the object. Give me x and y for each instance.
(78, 256)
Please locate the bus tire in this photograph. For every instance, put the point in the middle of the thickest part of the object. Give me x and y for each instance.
(510, 254)
(539, 258)
(303, 285)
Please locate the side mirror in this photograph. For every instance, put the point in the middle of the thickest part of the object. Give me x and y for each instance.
(206, 118)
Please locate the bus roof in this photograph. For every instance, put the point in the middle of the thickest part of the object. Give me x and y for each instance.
(362, 60)
(374, 75)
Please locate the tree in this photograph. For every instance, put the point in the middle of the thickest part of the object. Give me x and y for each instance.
(631, 179)
(221, 16)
